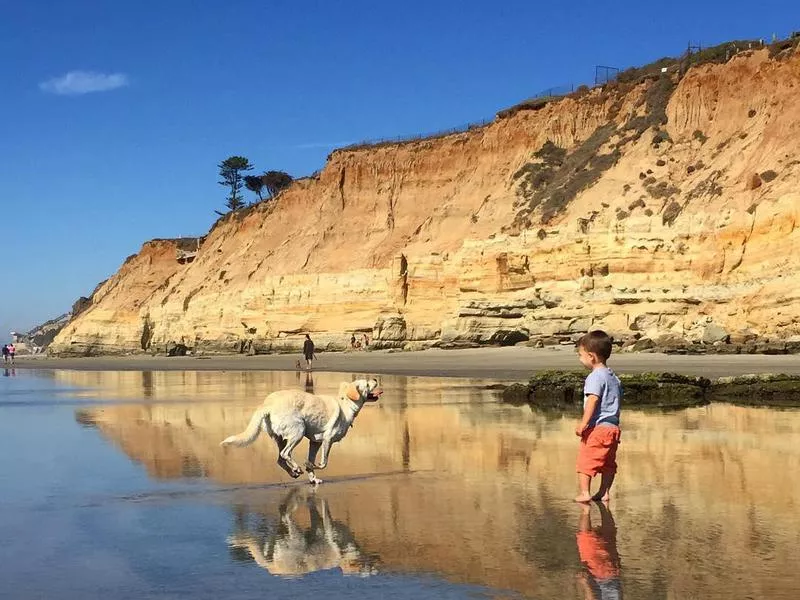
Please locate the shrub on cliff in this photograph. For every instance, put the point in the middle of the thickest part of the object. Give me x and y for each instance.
(275, 181)
(255, 184)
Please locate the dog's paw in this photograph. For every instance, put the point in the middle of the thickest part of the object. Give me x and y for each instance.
(314, 480)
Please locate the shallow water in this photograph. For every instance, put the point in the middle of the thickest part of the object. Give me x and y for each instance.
(114, 485)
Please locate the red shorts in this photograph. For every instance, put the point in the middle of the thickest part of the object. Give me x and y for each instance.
(598, 451)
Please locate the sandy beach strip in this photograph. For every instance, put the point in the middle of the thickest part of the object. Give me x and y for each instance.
(514, 363)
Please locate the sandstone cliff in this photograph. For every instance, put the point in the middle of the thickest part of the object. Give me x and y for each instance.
(664, 208)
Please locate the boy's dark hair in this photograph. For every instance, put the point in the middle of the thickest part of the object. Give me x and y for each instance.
(597, 342)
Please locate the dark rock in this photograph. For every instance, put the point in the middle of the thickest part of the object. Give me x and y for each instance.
(642, 344)
(771, 348)
(674, 349)
(743, 337)
(391, 329)
(516, 394)
(666, 390)
(564, 390)
(506, 337)
(758, 390)
(177, 349)
(714, 333)
(558, 389)
(793, 346)
(725, 349)
(80, 305)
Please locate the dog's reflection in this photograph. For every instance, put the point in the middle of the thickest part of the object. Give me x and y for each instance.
(284, 547)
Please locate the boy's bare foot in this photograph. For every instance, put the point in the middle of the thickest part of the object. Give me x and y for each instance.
(583, 497)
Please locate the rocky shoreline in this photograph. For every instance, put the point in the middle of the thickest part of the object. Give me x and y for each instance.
(564, 389)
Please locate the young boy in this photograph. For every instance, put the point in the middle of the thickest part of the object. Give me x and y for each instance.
(599, 426)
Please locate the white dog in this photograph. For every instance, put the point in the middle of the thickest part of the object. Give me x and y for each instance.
(290, 415)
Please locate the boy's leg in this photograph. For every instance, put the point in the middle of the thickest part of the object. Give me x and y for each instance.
(584, 482)
(606, 481)
(609, 470)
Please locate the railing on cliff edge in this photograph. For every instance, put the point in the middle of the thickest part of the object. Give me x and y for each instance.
(693, 55)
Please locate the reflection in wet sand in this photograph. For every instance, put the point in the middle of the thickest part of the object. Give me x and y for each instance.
(481, 491)
(287, 544)
(597, 548)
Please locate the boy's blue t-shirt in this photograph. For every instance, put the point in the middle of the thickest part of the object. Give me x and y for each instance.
(604, 384)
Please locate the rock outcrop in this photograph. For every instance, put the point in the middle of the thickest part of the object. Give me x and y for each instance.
(629, 207)
(41, 336)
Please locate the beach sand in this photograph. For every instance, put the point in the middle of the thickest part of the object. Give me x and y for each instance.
(513, 363)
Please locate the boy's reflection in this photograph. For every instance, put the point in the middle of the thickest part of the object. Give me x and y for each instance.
(597, 548)
(11, 373)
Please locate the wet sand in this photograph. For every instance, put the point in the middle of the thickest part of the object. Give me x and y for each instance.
(115, 486)
(515, 363)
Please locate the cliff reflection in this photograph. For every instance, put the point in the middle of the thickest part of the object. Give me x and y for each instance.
(439, 478)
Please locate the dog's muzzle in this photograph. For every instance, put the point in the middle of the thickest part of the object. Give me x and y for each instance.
(374, 395)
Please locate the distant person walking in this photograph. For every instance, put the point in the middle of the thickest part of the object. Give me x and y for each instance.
(12, 351)
(353, 342)
(366, 341)
(5, 353)
(308, 352)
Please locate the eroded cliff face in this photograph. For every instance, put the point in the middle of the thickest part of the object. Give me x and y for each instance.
(665, 209)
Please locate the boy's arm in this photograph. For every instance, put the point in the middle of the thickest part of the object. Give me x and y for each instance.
(592, 401)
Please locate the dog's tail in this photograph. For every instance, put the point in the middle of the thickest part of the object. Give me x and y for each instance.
(249, 435)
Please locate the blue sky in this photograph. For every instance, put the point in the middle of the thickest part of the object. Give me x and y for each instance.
(114, 114)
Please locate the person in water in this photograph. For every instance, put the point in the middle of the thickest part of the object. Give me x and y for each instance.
(308, 352)
(599, 427)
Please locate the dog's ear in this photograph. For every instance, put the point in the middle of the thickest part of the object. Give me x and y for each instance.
(349, 390)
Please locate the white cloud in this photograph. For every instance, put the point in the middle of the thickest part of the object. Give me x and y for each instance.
(76, 83)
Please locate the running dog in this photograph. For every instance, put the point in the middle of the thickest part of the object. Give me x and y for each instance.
(290, 415)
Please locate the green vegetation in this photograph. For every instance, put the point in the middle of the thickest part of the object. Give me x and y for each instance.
(559, 176)
(708, 187)
(559, 389)
(757, 390)
(671, 213)
(255, 184)
(230, 170)
(662, 190)
(768, 176)
(564, 390)
(276, 181)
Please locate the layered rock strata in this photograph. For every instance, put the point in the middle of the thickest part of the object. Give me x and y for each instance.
(664, 211)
